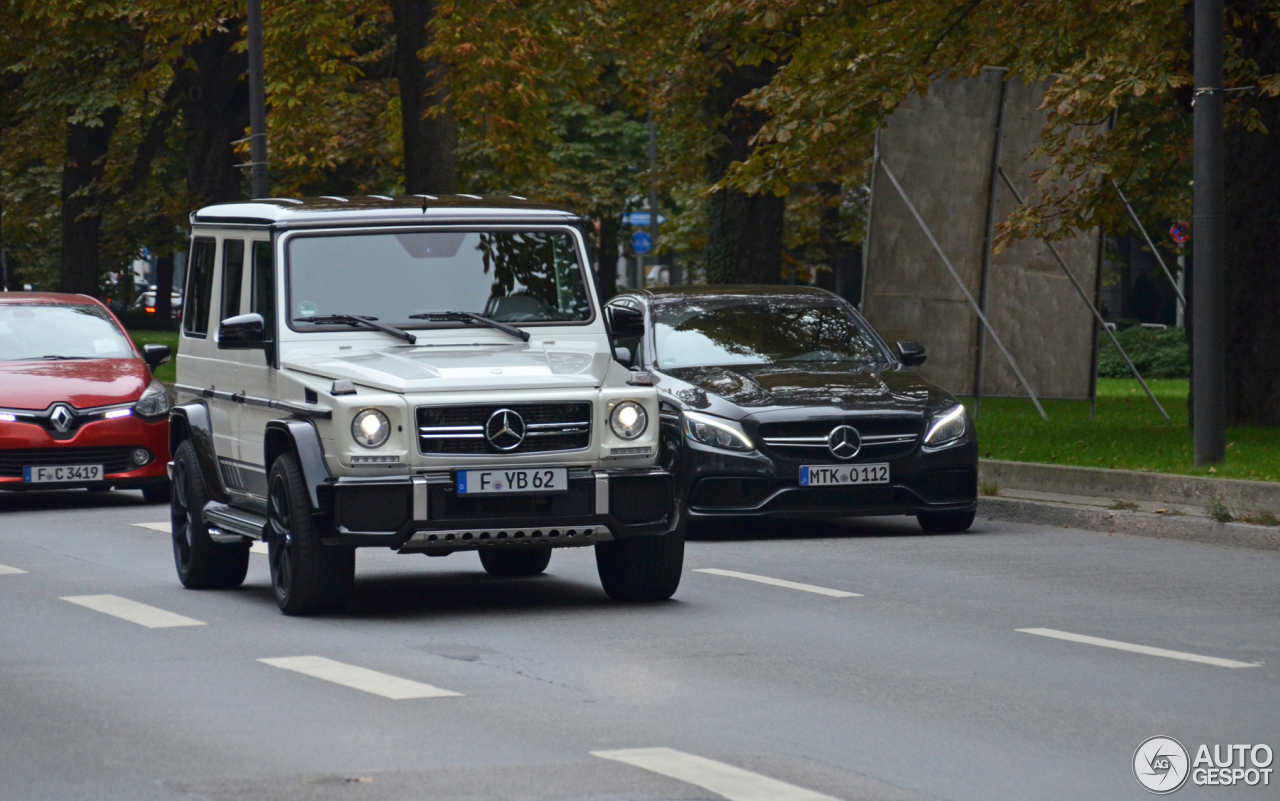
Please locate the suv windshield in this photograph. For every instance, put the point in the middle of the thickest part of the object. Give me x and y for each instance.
(508, 276)
(60, 331)
(709, 333)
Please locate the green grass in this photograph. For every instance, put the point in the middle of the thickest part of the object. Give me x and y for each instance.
(167, 372)
(1127, 434)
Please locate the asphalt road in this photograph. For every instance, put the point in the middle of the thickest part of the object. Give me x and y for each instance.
(908, 678)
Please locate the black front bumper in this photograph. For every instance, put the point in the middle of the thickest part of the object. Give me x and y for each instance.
(425, 513)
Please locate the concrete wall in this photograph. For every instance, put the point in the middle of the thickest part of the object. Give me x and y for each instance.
(941, 148)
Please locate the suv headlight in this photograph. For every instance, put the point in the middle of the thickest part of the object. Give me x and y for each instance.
(946, 428)
(628, 420)
(716, 431)
(370, 428)
(154, 402)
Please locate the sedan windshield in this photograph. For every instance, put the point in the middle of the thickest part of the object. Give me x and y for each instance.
(408, 280)
(60, 331)
(712, 333)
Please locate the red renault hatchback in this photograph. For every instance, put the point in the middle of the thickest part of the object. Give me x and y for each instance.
(78, 404)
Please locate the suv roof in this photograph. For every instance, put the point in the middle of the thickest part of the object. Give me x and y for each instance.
(375, 209)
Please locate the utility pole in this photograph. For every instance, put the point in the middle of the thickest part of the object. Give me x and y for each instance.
(1208, 380)
(257, 105)
(653, 182)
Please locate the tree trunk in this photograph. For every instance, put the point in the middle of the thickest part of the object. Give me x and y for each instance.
(216, 109)
(744, 240)
(430, 142)
(607, 254)
(81, 211)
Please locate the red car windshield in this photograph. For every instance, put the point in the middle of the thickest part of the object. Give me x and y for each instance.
(60, 331)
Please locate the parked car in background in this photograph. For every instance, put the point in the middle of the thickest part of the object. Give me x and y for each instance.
(147, 302)
(79, 407)
(791, 405)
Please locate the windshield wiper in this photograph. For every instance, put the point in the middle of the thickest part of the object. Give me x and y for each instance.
(359, 320)
(472, 317)
(53, 358)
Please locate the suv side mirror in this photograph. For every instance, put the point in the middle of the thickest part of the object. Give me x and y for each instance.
(910, 353)
(243, 332)
(624, 322)
(155, 355)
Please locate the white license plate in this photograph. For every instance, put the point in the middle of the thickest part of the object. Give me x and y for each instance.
(62, 473)
(833, 475)
(515, 480)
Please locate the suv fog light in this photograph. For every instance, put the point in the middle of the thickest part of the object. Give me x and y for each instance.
(628, 420)
(370, 428)
(140, 456)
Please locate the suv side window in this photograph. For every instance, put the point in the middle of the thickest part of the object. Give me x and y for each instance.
(232, 276)
(262, 294)
(199, 294)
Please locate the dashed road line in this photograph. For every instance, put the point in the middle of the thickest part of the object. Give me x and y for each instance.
(358, 678)
(791, 585)
(257, 547)
(1140, 649)
(5, 570)
(724, 780)
(132, 611)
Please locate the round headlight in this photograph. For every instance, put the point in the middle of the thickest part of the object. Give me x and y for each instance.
(370, 428)
(628, 420)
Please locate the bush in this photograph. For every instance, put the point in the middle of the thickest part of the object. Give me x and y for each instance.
(1156, 354)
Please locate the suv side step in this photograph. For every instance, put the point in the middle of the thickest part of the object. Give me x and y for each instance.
(230, 525)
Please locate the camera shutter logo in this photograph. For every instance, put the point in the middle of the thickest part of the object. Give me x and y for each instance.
(505, 430)
(844, 442)
(1161, 765)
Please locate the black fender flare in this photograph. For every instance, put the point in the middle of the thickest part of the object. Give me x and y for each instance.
(300, 438)
(191, 421)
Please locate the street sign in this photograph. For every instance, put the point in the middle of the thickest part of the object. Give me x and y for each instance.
(1179, 232)
(640, 242)
(640, 219)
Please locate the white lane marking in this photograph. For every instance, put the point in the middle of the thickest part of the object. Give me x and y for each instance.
(791, 585)
(258, 546)
(5, 570)
(370, 681)
(1140, 649)
(724, 780)
(132, 611)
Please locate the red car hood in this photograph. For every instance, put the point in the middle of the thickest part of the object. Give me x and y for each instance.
(93, 382)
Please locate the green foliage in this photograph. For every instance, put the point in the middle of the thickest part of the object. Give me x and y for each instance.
(1156, 354)
(1217, 509)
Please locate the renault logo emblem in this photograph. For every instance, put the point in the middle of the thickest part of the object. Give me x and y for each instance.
(504, 430)
(844, 442)
(62, 417)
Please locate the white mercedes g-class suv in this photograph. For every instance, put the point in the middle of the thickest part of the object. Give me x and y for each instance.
(427, 374)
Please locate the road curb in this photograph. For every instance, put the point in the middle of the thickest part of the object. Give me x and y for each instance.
(1142, 524)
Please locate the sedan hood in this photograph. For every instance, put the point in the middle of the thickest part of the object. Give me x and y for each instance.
(81, 383)
(756, 386)
(459, 367)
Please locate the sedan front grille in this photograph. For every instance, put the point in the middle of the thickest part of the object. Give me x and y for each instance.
(882, 437)
(547, 427)
(114, 459)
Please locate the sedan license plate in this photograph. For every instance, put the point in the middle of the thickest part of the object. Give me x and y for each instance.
(524, 480)
(62, 473)
(840, 474)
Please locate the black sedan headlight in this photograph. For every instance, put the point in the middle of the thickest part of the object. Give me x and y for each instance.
(716, 432)
(154, 402)
(946, 428)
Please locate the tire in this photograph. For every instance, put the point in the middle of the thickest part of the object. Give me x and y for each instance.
(156, 493)
(202, 563)
(945, 522)
(308, 576)
(515, 564)
(642, 568)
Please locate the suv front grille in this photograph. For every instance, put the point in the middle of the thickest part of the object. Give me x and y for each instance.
(882, 437)
(114, 459)
(548, 427)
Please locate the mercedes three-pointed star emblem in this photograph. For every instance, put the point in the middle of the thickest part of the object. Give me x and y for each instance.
(62, 417)
(505, 430)
(844, 442)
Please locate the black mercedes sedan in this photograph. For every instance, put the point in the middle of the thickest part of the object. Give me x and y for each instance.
(782, 401)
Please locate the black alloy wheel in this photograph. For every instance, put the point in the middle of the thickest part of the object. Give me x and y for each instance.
(515, 563)
(945, 522)
(202, 563)
(641, 568)
(156, 493)
(307, 575)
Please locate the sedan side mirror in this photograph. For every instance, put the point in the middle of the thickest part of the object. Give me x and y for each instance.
(155, 355)
(624, 322)
(910, 353)
(243, 332)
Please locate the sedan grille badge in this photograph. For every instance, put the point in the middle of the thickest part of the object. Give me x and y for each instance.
(62, 418)
(505, 430)
(844, 442)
